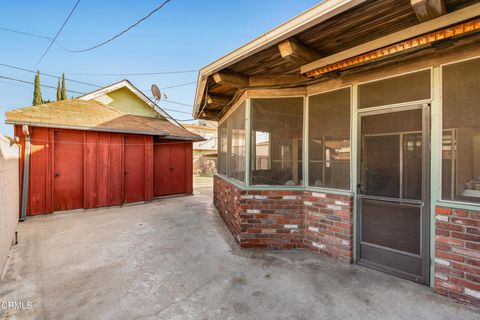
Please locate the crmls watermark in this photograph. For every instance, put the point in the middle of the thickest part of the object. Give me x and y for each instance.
(16, 305)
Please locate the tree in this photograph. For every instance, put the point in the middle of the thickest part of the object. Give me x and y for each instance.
(64, 89)
(37, 91)
(59, 91)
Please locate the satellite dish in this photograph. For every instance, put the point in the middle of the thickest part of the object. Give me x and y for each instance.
(156, 92)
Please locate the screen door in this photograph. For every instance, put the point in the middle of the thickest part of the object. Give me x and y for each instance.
(393, 191)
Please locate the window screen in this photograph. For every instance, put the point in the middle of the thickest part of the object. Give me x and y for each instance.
(461, 132)
(277, 130)
(236, 144)
(222, 148)
(405, 88)
(329, 140)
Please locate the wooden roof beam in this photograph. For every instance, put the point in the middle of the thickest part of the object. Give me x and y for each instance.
(210, 114)
(217, 100)
(422, 28)
(297, 52)
(276, 80)
(428, 9)
(230, 79)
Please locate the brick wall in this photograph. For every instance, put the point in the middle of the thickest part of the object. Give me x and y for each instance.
(457, 254)
(323, 223)
(280, 219)
(272, 219)
(226, 198)
(329, 225)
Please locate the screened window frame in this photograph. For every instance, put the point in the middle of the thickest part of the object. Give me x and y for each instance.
(243, 102)
(452, 203)
(307, 140)
(393, 105)
(248, 174)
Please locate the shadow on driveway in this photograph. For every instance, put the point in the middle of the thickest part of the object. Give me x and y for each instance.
(174, 258)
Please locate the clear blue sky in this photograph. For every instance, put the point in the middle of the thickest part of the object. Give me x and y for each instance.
(185, 35)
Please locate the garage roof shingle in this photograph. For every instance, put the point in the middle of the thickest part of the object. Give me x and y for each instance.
(96, 116)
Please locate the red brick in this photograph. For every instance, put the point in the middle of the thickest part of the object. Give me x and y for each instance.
(460, 213)
(473, 230)
(449, 271)
(466, 222)
(465, 236)
(473, 278)
(448, 226)
(451, 241)
(473, 262)
(448, 286)
(449, 256)
(441, 291)
(466, 268)
(441, 210)
(475, 215)
(473, 245)
(343, 225)
(442, 232)
(442, 246)
(465, 283)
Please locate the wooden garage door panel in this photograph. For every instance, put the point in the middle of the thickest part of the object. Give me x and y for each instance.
(134, 168)
(116, 169)
(68, 172)
(161, 170)
(178, 163)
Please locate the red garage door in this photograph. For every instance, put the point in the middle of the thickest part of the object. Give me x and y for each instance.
(134, 168)
(68, 170)
(172, 169)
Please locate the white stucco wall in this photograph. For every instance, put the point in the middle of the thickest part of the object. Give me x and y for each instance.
(9, 197)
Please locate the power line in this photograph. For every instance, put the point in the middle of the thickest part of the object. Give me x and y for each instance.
(134, 74)
(173, 110)
(48, 75)
(36, 36)
(60, 30)
(43, 85)
(179, 103)
(83, 82)
(125, 30)
(179, 85)
(26, 33)
(72, 91)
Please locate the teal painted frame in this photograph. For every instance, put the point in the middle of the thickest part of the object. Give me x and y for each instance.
(436, 158)
(248, 142)
(435, 154)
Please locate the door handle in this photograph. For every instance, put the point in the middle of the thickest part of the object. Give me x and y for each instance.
(57, 174)
(360, 188)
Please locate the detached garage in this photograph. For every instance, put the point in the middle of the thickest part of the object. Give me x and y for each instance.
(109, 147)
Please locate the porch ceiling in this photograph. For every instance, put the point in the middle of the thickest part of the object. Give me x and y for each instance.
(280, 63)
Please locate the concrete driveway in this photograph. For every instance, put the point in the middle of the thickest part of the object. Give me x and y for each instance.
(174, 259)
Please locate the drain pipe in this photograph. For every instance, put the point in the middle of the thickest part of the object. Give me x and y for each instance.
(26, 173)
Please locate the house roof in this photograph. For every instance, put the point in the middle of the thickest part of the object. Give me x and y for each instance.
(85, 113)
(127, 84)
(311, 17)
(328, 33)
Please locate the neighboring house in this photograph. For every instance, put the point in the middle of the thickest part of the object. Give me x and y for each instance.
(367, 121)
(105, 148)
(204, 152)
